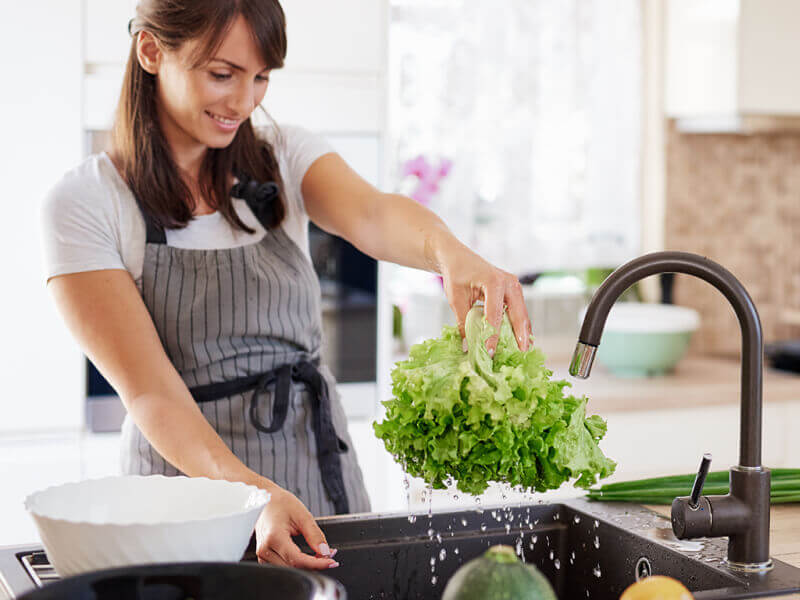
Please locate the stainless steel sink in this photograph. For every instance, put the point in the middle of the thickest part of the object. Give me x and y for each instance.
(586, 549)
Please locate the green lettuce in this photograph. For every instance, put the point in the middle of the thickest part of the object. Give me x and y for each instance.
(476, 419)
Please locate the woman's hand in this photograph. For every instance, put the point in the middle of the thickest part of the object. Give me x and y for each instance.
(285, 516)
(468, 277)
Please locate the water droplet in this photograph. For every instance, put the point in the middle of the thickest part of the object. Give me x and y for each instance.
(442, 554)
(577, 519)
(438, 538)
(508, 527)
(596, 542)
(412, 518)
(463, 521)
(597, 572)
(433, 580)
(596, 524)
(456, 550)
(455, 496)
(551, 555)
(534, 539)
(519, 547)
(433, 561)
(483, 526)
(430, 533)
(494, 514)
(557, 564)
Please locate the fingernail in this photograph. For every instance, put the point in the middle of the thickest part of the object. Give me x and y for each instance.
(464, 344)
(333, 565)
(324, 549)
(333, 552)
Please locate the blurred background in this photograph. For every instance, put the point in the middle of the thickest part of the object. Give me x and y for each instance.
(557, 139)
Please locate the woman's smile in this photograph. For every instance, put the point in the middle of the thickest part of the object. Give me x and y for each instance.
(224, 123)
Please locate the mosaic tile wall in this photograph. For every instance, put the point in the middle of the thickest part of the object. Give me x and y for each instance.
(736, 200)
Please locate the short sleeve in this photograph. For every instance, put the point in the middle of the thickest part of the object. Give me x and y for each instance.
(297, 149)
(302, 149)
(79, 231)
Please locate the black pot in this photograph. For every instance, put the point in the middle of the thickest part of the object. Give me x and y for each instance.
(193, 581)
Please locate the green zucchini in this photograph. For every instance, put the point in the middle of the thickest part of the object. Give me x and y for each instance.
(498, 575)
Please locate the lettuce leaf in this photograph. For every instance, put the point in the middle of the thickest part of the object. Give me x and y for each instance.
(476, 419)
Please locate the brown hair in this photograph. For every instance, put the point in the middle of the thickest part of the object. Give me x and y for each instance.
(138, 144)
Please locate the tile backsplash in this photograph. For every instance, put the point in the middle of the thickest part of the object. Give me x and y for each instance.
(736, 200)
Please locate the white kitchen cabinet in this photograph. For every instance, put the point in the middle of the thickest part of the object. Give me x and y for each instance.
(341, 36)
(328, 102)
(730, 60)
(107, 40)
(40, 365)
(28, 464)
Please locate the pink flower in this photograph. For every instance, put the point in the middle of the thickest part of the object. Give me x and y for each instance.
(429, 177)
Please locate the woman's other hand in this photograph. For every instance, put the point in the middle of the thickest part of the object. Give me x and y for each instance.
(285, 516)
(468, 278)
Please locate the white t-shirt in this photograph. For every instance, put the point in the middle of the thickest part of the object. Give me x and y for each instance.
(90, 219)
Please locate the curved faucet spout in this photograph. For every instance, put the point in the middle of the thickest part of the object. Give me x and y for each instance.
(743, 514)
(732, 289)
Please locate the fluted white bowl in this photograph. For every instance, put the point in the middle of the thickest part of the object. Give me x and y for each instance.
(134, 520)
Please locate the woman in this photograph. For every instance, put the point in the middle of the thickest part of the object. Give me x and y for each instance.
(179, 261)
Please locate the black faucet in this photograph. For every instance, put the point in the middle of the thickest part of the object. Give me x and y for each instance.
(743, 514)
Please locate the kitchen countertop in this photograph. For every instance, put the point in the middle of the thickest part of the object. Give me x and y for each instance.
(696, 381)
(784, 538)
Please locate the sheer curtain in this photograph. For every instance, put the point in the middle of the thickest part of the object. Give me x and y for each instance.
(537, 105)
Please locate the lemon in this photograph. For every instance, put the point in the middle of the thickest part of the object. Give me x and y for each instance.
(657, 587)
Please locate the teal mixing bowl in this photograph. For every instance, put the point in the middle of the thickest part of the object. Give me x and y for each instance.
(641, 340)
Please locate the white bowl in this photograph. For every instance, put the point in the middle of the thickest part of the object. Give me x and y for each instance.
(641, 340)
(640, 317)
(135, 520)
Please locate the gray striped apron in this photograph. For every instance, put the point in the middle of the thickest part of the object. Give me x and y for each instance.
(243, 328)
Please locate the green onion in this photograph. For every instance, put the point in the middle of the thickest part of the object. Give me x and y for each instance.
(784, 488)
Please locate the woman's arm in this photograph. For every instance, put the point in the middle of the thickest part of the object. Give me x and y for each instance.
(397, 229)
(106, 315)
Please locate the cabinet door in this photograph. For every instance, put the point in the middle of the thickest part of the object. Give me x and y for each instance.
(768, 50)
(700, 62)
(346, 35)
(28, 465)
(40, 365)
(107, 39)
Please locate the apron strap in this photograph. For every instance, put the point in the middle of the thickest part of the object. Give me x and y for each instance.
(329, 444)
(155, 235)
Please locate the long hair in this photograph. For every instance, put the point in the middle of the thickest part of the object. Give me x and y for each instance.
(137, 141)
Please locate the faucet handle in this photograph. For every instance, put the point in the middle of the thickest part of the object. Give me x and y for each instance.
(700, 480)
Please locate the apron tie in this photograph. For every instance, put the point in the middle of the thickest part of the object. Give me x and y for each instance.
(329, 445)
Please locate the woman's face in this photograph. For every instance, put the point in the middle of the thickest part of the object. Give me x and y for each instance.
(204, 106)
